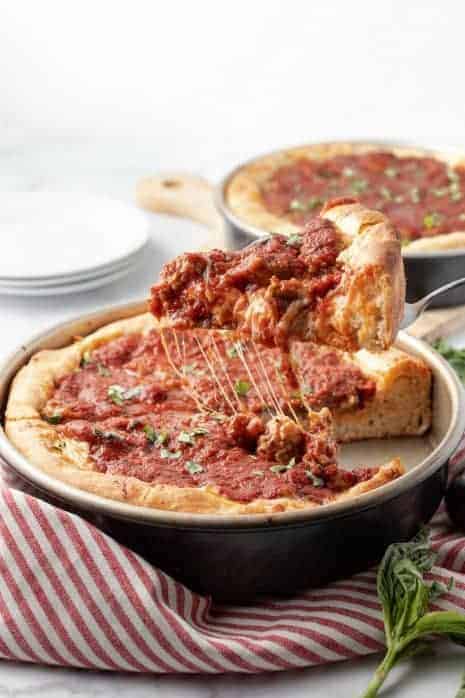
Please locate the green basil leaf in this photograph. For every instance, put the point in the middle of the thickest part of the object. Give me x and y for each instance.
(193, 468)
(242, 387)
(150, 433)
(316, 481)
(53, 418)
(186, 437)
(116, 394)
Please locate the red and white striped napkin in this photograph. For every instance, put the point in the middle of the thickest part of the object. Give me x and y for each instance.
(71, 596)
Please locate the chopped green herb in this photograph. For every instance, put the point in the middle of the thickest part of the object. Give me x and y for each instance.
(53, 418)
(188, 437)
(116, 394)
(279, 468)
(242, 387)
(185, 437)
(456, 195)
(85, 359)
(441, 191)
(132, 392)
(103, 370)
(294, 240)
(391, 172)
(150, 433)
(283, 468)
(399, 199)
(218, 417)
(165, 453)
(432, 220)
(193, 468)
(456, 357)
(348, 172)
(258, 473)
(316, 481)
(415, 195)
(359, 185)
(199, 431)
(119, 394)
(385, 193)
(109, 435)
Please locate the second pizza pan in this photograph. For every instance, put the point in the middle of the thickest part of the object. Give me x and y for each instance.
(242, 557)
(192, 197)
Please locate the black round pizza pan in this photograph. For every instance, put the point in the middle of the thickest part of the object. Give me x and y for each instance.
(240, 558)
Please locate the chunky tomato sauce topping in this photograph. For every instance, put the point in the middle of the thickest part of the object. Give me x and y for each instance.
(327, 380)
(266, 291)
(421, 196)
(129, 402)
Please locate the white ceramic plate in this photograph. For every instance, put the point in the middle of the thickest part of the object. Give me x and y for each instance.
(73, 278)
(59, 289)
(49, 235)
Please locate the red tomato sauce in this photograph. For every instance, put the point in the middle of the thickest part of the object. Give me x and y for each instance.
(422, 196)
(135, 408)
(328, 381)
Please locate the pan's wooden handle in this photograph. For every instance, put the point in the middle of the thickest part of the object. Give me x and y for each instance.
(186, 196)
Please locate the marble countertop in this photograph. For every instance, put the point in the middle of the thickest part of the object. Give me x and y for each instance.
(421, 677)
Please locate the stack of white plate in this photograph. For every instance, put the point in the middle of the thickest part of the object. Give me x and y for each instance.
(56, 243)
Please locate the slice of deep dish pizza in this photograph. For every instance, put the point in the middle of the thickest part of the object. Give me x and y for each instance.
(109, 415)
(340, 282)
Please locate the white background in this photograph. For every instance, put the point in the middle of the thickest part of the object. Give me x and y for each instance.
(95, 94)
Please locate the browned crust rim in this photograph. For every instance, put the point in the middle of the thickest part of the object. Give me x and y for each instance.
(374, 245)
(242, 195)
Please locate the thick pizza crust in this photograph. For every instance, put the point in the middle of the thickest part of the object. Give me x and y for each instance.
(67, 459)
(243, 191)
(401, 405)
(370, 306)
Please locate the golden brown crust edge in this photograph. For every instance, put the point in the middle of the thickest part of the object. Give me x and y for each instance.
(371, 306)
(67, 460)
(243, 198)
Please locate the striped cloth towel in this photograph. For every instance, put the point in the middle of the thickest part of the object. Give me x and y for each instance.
(71, 596)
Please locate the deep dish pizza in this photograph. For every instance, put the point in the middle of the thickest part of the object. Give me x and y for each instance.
(115, 415)
(422, 193)
(339, 282)
(111, 415)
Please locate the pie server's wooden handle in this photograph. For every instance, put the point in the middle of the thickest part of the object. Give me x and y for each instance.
(186, 196)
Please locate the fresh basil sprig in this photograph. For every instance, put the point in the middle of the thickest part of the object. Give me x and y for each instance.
(405, 598)
(456, 357)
